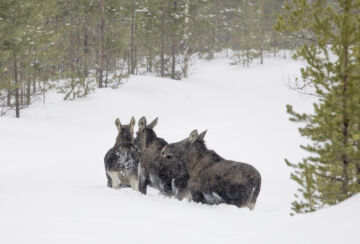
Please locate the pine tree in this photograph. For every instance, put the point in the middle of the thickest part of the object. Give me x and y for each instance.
(330, 174)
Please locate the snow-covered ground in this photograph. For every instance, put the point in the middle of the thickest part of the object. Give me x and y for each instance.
(52, 179)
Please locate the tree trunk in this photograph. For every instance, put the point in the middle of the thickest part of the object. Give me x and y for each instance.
(162, 72)
(17, 101)
(34, 82)
(150, 60)
(28, 90)
(21, 91)
(262, 35)
(132, 52)
(173, 44)
(186, 39)
(262, 46)
(275, 44)
(135, 53)
(101, 42)
(106, 73)
(86, 47)
(344, 156)
(9, 97)
(129, 61)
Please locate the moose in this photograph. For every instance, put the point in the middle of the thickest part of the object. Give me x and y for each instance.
(168, 175)
(121, 161)
(213, 179)
(185, 169)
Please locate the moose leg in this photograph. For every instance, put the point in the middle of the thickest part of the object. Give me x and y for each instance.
(184, 194)
(114, 178)
(175, 189)
(109, 182)
(180, 193)
(197, 196)
(254, 195)
(143, 179)
(217, 198)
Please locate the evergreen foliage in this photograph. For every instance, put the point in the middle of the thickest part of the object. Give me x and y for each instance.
(331, 30)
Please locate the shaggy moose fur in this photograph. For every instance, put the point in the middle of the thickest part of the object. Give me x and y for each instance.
(168, 175)
(121, 161)
(214, 180)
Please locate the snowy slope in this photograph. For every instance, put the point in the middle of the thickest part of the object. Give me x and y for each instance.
(52, 179)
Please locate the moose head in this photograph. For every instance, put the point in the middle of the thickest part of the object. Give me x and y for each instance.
(181, 149)
(125, 132)
(145, 134)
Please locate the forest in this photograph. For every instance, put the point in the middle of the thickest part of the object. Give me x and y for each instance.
(77, 46)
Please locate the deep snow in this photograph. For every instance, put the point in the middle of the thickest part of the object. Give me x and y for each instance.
(52, 177)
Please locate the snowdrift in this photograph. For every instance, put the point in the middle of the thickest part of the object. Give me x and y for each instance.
(52, 178)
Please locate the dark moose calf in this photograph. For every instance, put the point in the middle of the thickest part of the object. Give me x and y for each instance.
(214, 180)
(121, 161)
(169, 176)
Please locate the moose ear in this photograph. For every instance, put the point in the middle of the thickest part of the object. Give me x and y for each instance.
(193, 136)
(132, 124)
(142, 123)
(153, 124)
(118, 124)
(202, 135)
